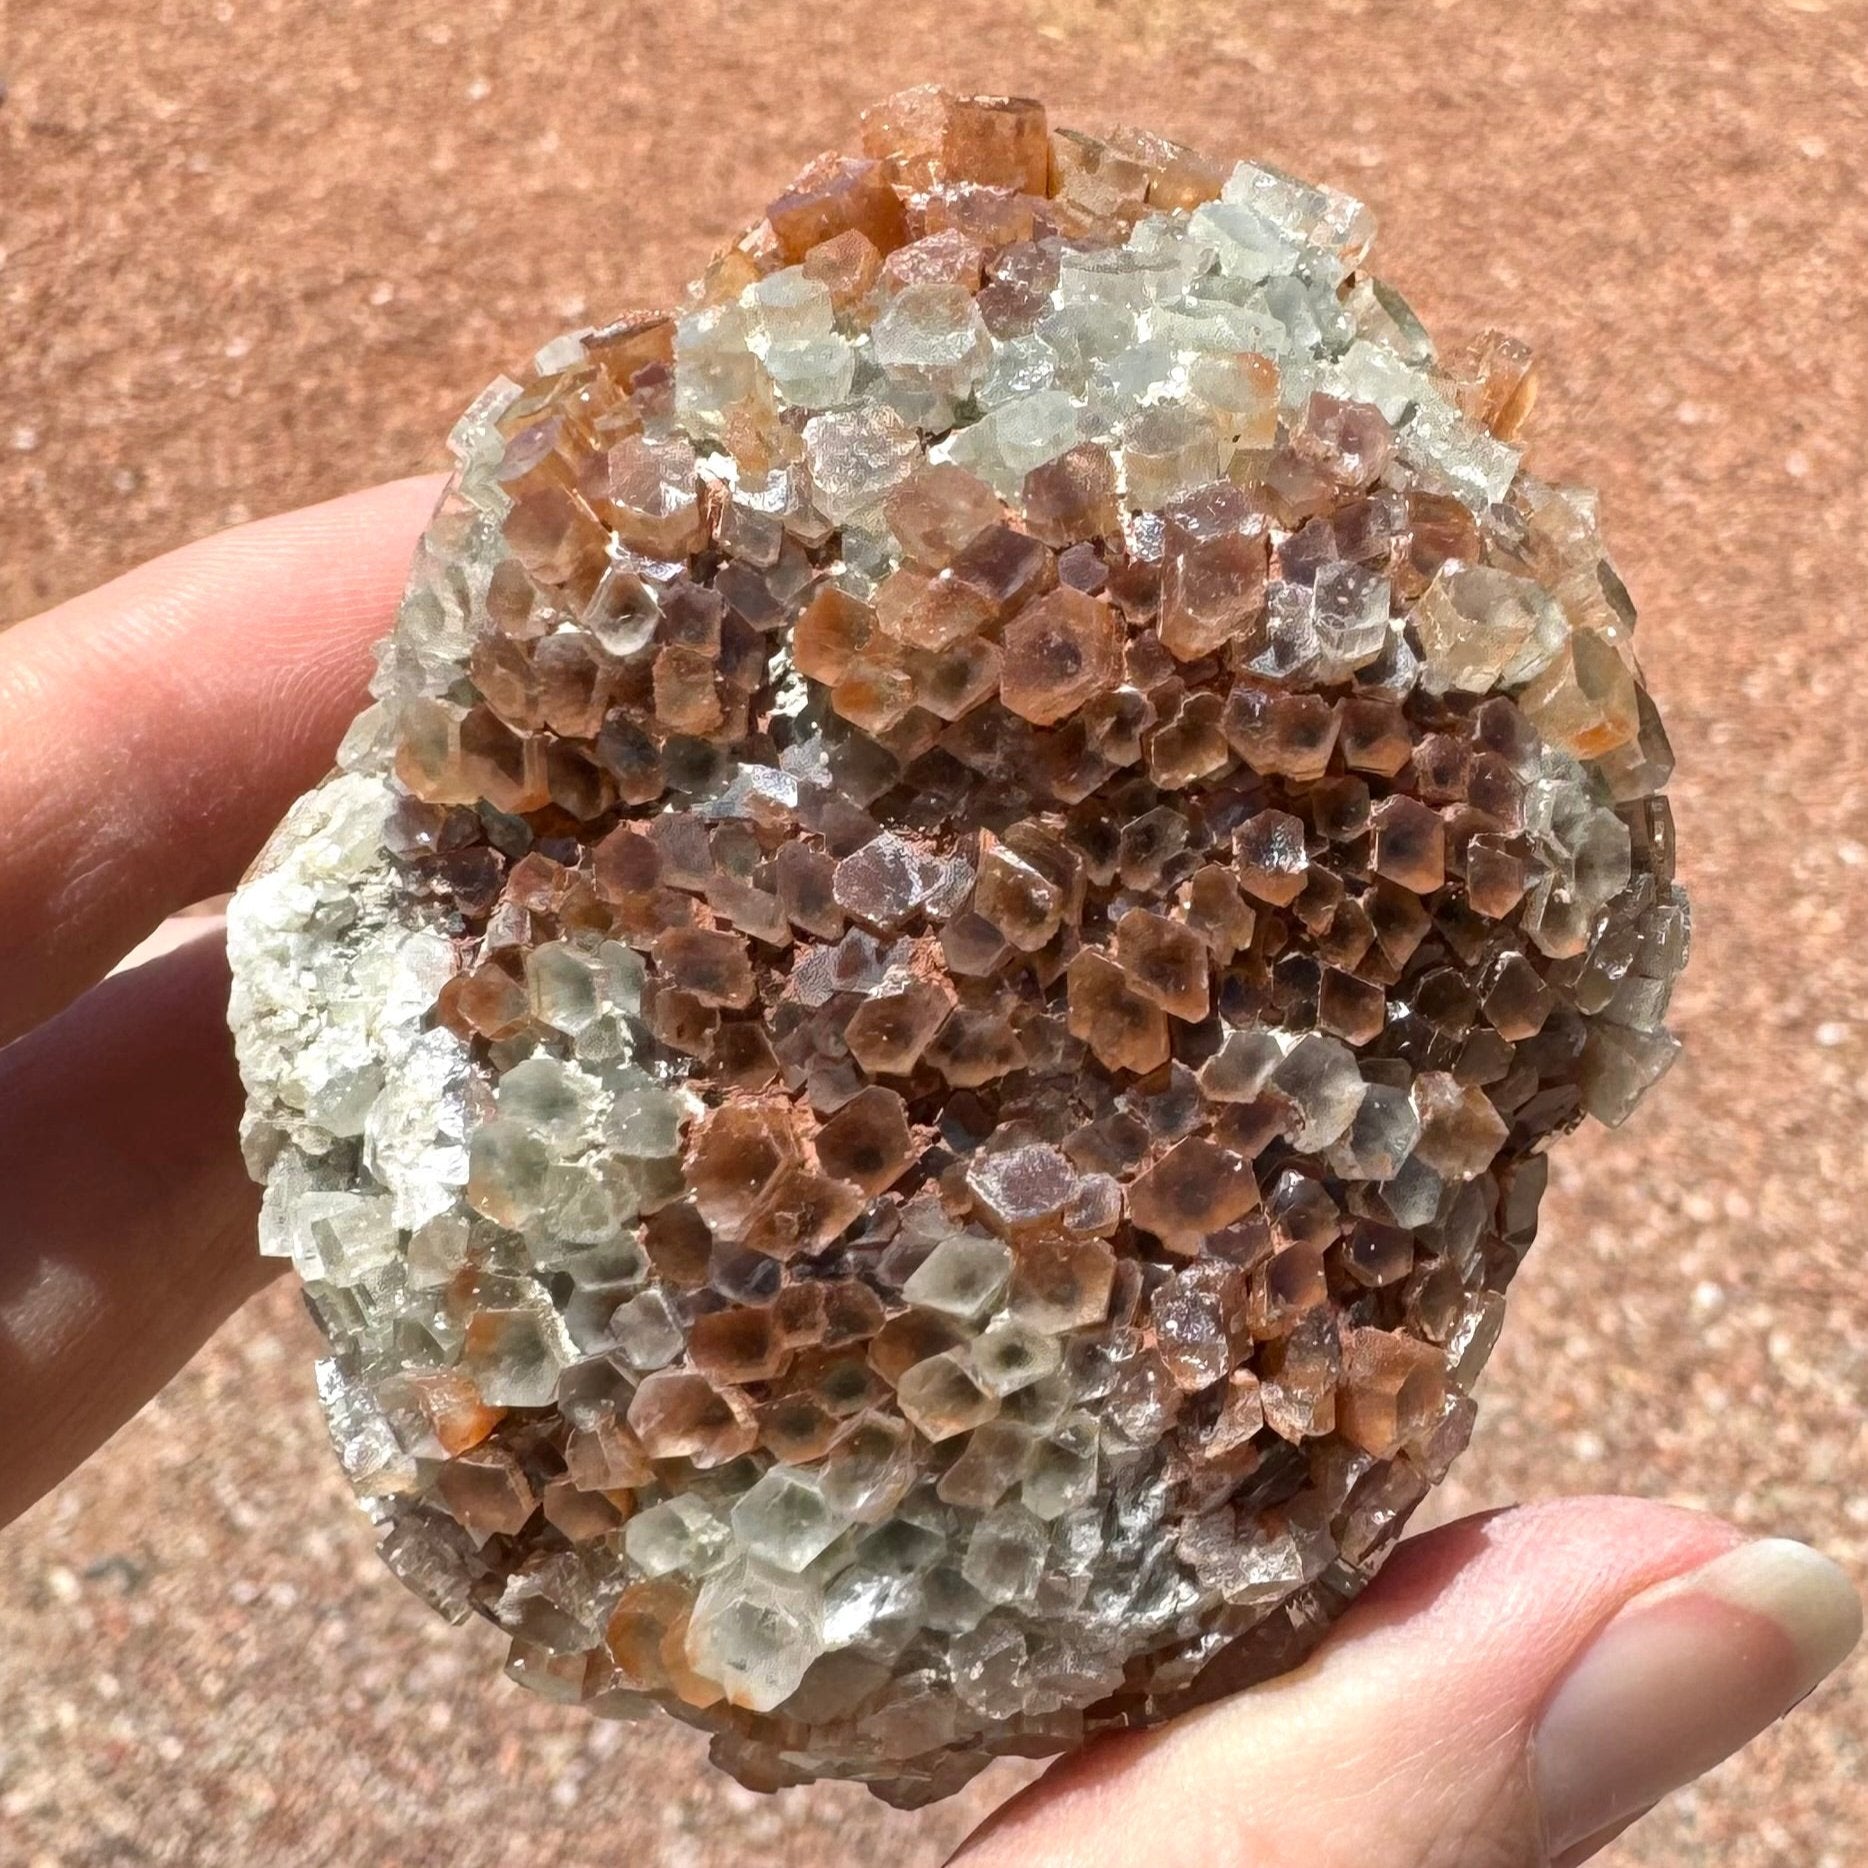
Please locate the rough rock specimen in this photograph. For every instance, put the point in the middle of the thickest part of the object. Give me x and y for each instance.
(909, 1057)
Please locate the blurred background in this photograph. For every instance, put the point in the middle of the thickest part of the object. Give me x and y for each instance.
(255, 252)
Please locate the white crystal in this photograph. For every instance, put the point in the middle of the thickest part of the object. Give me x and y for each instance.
(563, 987)
(756, 1634)
(646, 1123)
(815, 373)
(346, 1236)
(1080, 335)
(933, 337)
(1244, 242)
(785, 1520)
(680, 1534)
(516, 1357)
(786, 307)
(555, 1101)
(507, 1166)
(855, 456)
(1349, 612)
(1381, 1136)
(1302, 210)
(1063, 1469)
(1009, 1356)
(964, 1276)
(1474, 622)
(1372, 373)
(647, 1332)
(1020, 367)
(1456, 453)
(367, 1448)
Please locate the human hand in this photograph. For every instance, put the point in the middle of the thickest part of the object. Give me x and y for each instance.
(1512, 1690)
(151, 734)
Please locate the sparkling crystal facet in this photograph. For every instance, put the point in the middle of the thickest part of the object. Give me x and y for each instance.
(908, 1061)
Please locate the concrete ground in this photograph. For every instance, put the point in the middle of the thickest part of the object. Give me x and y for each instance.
(253, 252)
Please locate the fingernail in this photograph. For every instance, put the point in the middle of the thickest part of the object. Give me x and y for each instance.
(1683, 1676)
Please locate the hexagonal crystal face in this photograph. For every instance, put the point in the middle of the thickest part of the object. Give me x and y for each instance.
(909, 1060)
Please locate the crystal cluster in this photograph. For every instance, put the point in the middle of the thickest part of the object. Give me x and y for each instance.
(909, 1057)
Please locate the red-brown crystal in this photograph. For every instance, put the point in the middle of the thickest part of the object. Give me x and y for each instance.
(1000, 970)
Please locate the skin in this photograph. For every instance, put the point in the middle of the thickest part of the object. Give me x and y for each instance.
(155, 731)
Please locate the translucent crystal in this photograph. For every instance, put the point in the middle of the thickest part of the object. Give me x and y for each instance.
(679, 1534)
(554, 1100)
(1351, 612)
(964, 1276)
(487, 1492)
(1381, 1136)
(1466, 457)
(1165, 961)
(910, 1056)
(943, 1396)
(1620, 1066)
(1010, 1357)
(563, 985)
(1005, 1555)
(886, 881)
(1460, 1131)
(1320, 1077)
(931, 335)
(507, 1171)
(1059, 652)
(812, 373)
(993, 1461)
(1244, 242)
(855, 456)
(647, 1331)
(786, 307)
(1318, 216)
(939, 511)
(1194, 1189)
(785, 1521)
(755, 1635)
(1475, 623)
(1061, 1284)
(1273, 862)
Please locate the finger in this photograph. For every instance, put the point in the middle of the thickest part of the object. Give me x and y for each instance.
(156, 729)
(1510, 1692)
(126, 1221)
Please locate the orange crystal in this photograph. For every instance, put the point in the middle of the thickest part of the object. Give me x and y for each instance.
(984, 866)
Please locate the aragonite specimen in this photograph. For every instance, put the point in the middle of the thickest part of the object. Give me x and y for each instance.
(909, 1057)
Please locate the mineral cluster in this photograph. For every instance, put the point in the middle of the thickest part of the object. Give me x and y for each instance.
(910, 1054)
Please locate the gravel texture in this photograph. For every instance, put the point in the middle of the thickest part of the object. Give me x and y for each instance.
(254, 252)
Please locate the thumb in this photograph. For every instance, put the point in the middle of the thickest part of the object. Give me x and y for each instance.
(1510, 1693)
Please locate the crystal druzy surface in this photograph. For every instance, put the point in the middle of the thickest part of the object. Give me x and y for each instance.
(909, 1057)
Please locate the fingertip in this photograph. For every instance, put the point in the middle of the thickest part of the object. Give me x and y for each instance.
(1411, 1722)
(158, 727)
(1682, 1675)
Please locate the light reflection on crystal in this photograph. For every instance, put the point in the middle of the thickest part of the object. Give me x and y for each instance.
(909, 1058)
